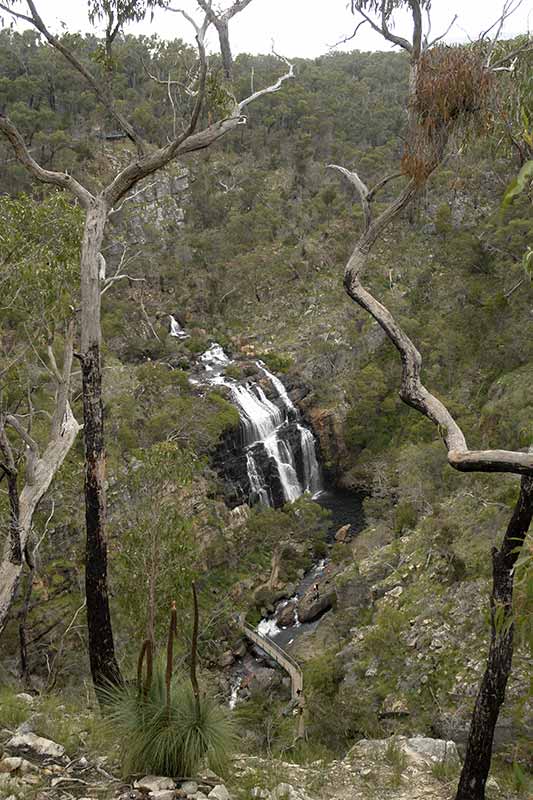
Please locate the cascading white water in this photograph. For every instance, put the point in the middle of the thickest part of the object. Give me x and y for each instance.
(282, 454)
(266, 431)
(176, 330)
(313, 478)
(257, 487)
(260, 417)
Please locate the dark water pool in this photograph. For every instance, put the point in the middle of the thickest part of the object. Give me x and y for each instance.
(346, 507)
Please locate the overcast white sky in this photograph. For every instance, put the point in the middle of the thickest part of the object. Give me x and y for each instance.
(302, 28)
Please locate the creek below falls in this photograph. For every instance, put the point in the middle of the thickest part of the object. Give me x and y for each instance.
(271, 459)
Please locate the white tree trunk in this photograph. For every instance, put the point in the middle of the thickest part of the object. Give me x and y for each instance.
(44, 470)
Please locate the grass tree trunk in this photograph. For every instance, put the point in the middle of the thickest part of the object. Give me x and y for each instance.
(104, 667)
(492, 690)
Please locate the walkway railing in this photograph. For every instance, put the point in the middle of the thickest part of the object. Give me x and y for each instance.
(287, 662)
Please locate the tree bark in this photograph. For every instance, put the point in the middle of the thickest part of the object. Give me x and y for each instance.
(40, 472)
(492, 689)
(104, 667)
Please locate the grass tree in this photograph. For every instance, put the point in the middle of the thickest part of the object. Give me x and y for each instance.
(449, 90)
(188, 134)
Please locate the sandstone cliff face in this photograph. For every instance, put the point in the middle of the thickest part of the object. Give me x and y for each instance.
(157, 209)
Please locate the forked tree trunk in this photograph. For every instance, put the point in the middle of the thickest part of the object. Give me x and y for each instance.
(40, 472)
(104, 667)
(492, 690)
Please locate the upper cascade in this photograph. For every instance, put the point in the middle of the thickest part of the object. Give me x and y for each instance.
(279, 450)
(176, 329)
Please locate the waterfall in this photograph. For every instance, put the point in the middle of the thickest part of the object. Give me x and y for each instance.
(282, 454)
(259, 491)
(279, 449)
(312, 476)
(176, 329)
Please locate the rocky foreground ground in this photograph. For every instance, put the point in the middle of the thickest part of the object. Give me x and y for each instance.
(402, 768)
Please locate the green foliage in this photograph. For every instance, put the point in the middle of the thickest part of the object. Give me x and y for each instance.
(169, 739)
(405, 517)
(156, 540)
(446, 770)
(277, 362)
(322, 675)
(519, 184)
(396, 758)
(14, 712)
(40, 243)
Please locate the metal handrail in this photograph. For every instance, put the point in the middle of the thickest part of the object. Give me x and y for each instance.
(283, 653)
(279, 655)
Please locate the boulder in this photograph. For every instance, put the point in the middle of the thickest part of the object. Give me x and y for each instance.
(25, 698)
(285, 614)
(8, 765)
(189, 787)
(343, 534)
(284, 791)
(312, 607)
(432, 750)
(219, 793)
(263, 678)
(154, 783)
(37, 744)
(226, 659)
(394, 706)
(163, 794)
(420, 750)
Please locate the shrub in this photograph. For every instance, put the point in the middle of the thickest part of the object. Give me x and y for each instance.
(14, 711)
(395, 758)
(405, 517)
(234, 371)
(276, 362)
(172, 738)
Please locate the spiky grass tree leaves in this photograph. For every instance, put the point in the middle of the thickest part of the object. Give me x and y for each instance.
(169, 738)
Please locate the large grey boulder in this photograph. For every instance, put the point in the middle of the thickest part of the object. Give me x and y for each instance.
(312, 607)
(420, 751)
(431, 750)
(219, 793)
(154, 783)
(37, 744)
(285, 614)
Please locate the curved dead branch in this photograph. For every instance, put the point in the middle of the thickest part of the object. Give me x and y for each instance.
(23, 155)
(412, 390)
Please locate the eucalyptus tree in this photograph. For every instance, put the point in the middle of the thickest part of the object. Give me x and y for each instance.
(39, 245)
(189, 133)
(449, 89)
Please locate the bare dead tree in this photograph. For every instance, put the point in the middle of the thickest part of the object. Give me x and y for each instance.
(221, 23)
(40, 470)
(462, 76)
(98, 206)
